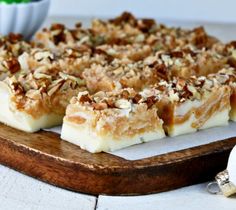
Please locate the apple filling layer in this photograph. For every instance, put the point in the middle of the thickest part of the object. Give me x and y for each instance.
(108, 121)
(34, 101)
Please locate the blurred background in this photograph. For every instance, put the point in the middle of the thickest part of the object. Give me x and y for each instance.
(223, 11)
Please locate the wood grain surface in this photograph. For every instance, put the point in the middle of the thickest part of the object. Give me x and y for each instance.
(44, 156)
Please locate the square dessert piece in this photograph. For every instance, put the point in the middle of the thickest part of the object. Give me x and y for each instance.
(36, 100)
(108, 121)
(125, 72)
(189, 105)
(227, 76)
(122, 30)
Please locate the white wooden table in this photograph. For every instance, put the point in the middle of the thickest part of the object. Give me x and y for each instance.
(20, 192)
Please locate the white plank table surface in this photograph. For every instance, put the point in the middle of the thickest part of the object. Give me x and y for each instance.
(20, 192)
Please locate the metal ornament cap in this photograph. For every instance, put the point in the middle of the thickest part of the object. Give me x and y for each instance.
(226, 186)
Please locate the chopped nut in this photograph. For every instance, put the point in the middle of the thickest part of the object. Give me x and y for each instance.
(99, 106)
(137, 98)
(110, 103)
(76, 79)
(54, 89)
(161, 71)
(99, 96)
(192, 89)
(39, 75)
(151, 101)
(40, 55)
(232, 61)
(140, 38)
(78, 25)
(167, 60)
(57, 26)
(13, 65)
(173, 96)
(123, 104)
(176, 54)
(85, 98)
(33, 94)
(180, 84)
(15, 37)
(125, 94)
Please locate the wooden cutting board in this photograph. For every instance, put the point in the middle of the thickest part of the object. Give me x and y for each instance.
(44, 156)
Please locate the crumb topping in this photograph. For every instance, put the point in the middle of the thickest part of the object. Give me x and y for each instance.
(121, 63)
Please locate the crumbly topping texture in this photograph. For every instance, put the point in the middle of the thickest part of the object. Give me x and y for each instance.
(39, 93)
(119, 62)
(120, 99)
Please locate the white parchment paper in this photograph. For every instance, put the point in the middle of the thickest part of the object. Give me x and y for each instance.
(171, 144)
(225, 32)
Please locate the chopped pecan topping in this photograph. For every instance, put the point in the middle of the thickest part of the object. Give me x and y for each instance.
(125, 17)
(17, 88)
(232, 62)
(151, 101)
(201, 38)
(13, 65)
(161, 71)
(176, 54)
(189, 51)
(186, 92)
(125, 94)
(99, 106)
(145, 25)
(110, 103)
(57, 26)
(123, 104)
(14, 38)
(180, 84)
(231, 44)
(78, 25)
(99, 51)
(137, 98)
(85, 98)
(59, 36)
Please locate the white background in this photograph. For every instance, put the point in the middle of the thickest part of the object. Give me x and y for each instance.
(191, 10)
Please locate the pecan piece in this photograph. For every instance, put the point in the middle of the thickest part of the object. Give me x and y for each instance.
(137, 98)
(13, 65)
(151, 101)
(125, 94)
(85, 98)
(231, 61)
(145, 25)
(57, 26)
(176, 54)
(110, 103)
(161, 71)
(78, 25)
(99, 106)
(125, 17)
(17, 88)
(15, 37)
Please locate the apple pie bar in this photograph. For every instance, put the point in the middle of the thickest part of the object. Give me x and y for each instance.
(108, 121)
(36, 100)
(117, 83)
(189, 105)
